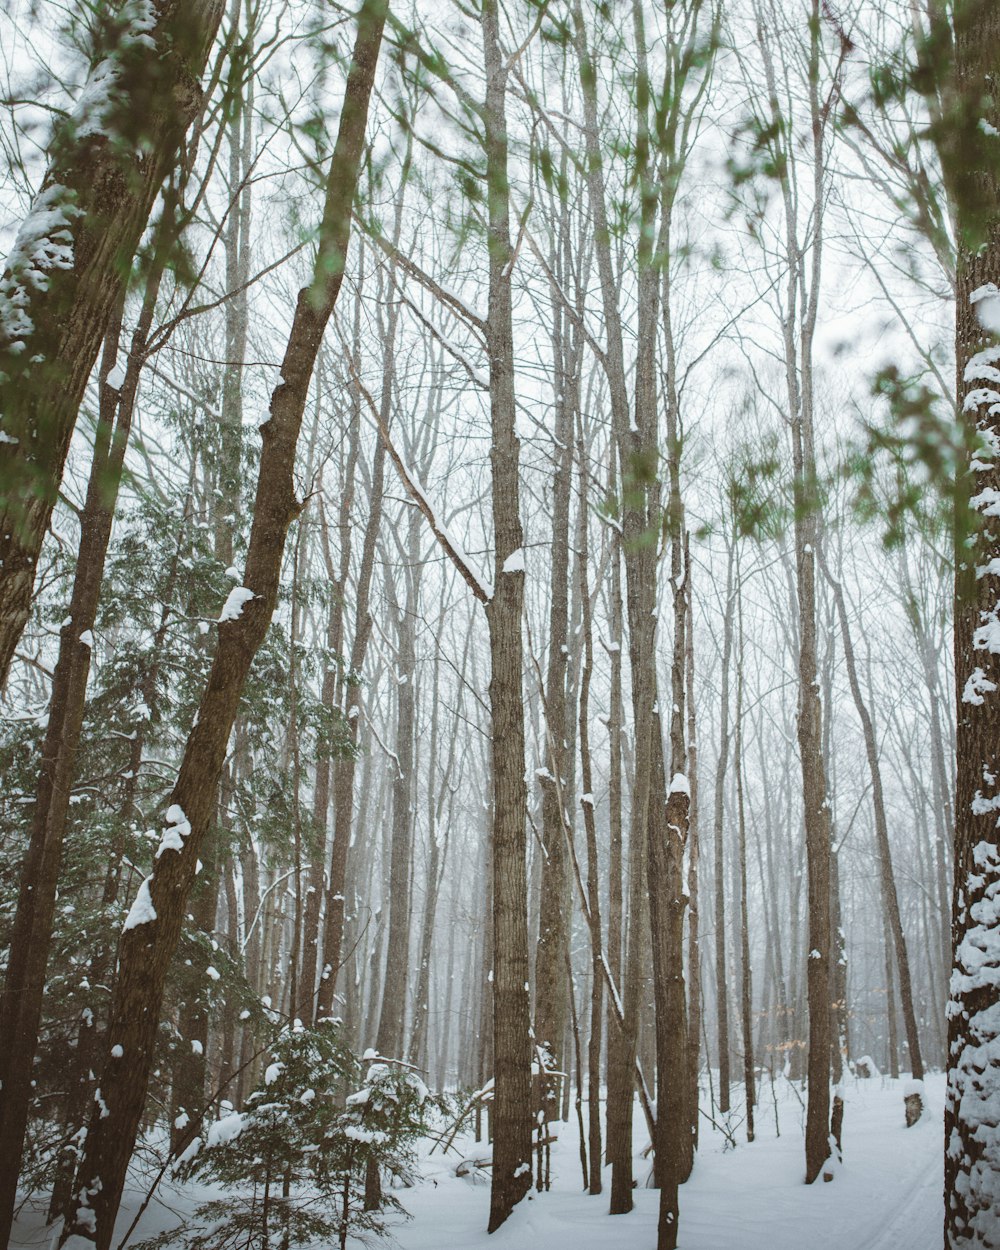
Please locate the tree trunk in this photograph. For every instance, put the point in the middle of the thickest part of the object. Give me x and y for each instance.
(694, 940)
(971, 1121)
(154, 924)
(511, 1110)
(887, 878)
(389, 1038)
(721, 963)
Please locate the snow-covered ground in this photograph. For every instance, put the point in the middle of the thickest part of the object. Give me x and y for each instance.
(887, 1195)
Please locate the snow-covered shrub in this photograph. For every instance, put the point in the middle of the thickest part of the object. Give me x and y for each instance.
(293, 1162)
(382, 1120)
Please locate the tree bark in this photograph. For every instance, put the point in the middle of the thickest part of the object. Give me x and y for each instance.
(970, 52)
(511, 1111)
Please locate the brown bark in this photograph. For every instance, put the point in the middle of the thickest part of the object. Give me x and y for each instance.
(105, 170)
(511, 1112)
(149, 942)
(968, 53)
(801, 302)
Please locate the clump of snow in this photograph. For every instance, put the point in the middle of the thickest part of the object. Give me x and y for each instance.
(273, 1071)
(43, 244)
(116, 1052)
(679, 785)
(975, 1054)
(142, 910)
(514, 562)
(225, 1130)
(986, 301)
(369, 1135)
(87, 638)
(177, 829)
(232, 609)
(977, 685)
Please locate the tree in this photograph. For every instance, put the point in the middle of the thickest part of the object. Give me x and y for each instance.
(107, 162)
(966, 49)
(511, 1118)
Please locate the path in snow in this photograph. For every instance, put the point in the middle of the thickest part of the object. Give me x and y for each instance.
(887, 1196)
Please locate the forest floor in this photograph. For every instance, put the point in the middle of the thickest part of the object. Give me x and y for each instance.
(886, 1196)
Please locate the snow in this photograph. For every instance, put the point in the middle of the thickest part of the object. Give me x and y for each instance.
(224, 1130)
(887, 1194)
(273, 1071)
(142, 910)
(232, 609)
(977, 685)
(43, 244)
(87, 638)
(986, 301)
(368, 1135)
(679, 785)
(116, 1052)
(514, 562)
(177, 829)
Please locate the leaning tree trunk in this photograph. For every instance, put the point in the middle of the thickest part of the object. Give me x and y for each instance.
(108, 160)
(511, 1120)
(887, 878)
(153, 927)
(969, 159)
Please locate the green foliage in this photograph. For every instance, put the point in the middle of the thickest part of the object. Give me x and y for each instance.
(293, 1162)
